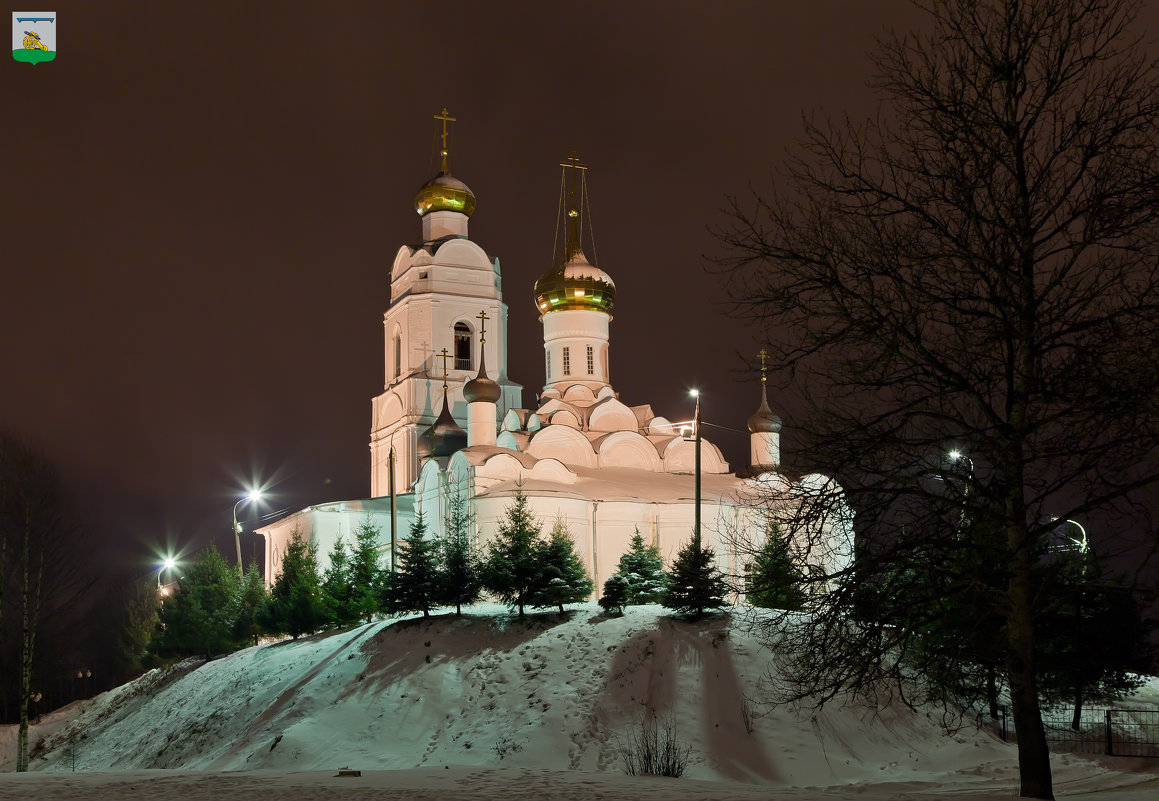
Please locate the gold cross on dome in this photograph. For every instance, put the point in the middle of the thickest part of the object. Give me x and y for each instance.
(482, 318)
(573, 162)
(764, 354)
(444, 356)
(445, 118)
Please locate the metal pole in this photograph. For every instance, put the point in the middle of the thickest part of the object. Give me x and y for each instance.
(236, 537)
(393, 512)
(696, 524)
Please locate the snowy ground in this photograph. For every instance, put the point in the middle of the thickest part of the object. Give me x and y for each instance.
(486, 707)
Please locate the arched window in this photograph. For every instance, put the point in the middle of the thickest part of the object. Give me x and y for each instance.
(462, 347)
(397, 355)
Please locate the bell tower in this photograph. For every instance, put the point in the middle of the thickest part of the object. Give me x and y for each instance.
(438, 289)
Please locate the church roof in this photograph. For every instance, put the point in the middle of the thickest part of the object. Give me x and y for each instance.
(443, 438)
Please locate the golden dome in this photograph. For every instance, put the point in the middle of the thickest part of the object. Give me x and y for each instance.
(445, 193)
(576, 284)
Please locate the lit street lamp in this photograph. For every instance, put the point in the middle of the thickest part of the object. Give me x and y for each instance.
(168, 564)
(252, 496)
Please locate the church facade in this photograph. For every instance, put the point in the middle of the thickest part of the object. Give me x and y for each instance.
(450, 421)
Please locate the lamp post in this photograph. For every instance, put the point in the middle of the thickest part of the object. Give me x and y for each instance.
(696, 432)
(252, 496)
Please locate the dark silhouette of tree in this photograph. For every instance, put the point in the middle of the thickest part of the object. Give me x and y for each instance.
(642, 568)
(460, 579)
(200, 617)
(46, 571)
(364, 567)
(694, 583)
(295, 601)
(251, 596)
(615, 595)
(415, 585)
(561, 577)
(777, 581)
(977, 267)
(511, 568)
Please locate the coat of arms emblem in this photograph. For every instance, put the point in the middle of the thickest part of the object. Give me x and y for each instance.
(34, 36)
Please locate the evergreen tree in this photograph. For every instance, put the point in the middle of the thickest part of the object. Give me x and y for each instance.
(776, 581)
(251, 596)
(615, 595)
(460, 579)
(511, 567)
(339, 602)
(695, 584)
(561, 578)
(295, 602)
(199, 618)
(364, 569)
(415, 586)
(643, 569)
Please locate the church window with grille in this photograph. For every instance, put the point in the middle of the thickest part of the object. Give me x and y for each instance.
(591, 361)
(567, 361)
(462, 347)
(397, 355)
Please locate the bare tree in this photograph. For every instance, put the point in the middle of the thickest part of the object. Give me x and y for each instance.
(976, 268)
(45, 573)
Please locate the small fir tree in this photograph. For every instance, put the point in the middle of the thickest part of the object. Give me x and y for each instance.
(562, 578)
(199, 618)
(460, 579)
(415, 587)
(511, 567)
(339, 606)
(251, 596)
(364, 567)
(615, 595)
(695, 584)
(295, 603)
(643, 569)
(776, 581)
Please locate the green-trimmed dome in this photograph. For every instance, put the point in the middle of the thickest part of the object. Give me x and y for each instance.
(576, 284)
(445, 193)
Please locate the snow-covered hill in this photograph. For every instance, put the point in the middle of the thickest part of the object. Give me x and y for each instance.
(488, 690)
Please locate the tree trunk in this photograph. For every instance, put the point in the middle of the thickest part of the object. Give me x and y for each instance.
(1076, 721)
(29, 620)
(992, 691)
(1033, 754)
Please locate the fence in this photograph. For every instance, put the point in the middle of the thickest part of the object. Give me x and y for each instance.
(1114, 732)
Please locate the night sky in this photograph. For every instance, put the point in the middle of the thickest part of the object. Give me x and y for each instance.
(202, 202)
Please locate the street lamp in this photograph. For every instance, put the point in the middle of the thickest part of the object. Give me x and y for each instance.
(252, 496)
(168, 564)
(696, 432)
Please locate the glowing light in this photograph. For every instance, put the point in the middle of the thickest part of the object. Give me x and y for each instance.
(169, 563)
(955, 455)
(694, 393)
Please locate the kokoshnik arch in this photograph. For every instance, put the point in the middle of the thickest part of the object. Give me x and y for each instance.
(450, 421)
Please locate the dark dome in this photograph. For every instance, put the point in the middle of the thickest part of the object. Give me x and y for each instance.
(763, 421)
(444, 437)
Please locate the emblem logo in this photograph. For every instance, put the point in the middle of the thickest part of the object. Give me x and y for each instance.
(34, 36)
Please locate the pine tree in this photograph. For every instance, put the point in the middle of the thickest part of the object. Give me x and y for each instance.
(776, 581)
(251, 596)
(643, 569)
(460, 579)
(364, 569)
(415, 586)
(511, 567)
(295, 604)
(695, 584)
(338, 591)
(561, 578)
(615, 594)
(200, 617)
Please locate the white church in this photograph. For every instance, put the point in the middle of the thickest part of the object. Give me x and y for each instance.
(451, 421)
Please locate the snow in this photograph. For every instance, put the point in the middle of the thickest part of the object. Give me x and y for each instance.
(488, 707)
